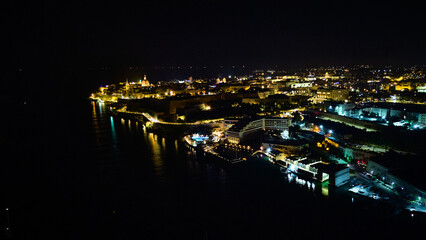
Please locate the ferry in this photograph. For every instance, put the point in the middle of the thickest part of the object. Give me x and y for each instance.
(195, 140)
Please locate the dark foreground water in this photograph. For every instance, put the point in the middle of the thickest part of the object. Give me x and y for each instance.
(76, 173)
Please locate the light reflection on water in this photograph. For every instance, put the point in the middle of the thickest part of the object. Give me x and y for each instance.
(149, 161)
(311, 186)
(100, 125)
(101, 109)
(163, 142)
(95, 117)
(292, 178)
(108, 135)
(155, 149)
(114, 137)
(324, 190)
(93, 109)
(156, 154)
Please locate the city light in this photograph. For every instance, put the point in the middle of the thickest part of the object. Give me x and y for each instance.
(285, 134)
(260, 117)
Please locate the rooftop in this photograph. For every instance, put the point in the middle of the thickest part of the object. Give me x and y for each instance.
(330, 168)
(407, 167)
(279, 140)
(420, 108)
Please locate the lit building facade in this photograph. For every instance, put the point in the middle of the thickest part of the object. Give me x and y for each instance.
(422, 118)
(246, 129)
(331, 94)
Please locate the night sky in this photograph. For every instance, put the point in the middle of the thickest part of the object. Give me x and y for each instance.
(158, 33)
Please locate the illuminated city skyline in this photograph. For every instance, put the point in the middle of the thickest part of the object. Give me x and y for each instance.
(212, 120)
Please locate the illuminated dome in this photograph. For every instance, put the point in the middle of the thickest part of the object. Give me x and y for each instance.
(145, 83)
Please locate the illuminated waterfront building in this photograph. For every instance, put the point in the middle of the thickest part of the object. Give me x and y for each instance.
(245, 129)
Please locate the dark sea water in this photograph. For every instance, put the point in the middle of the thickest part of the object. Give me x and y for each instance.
(75, 172)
